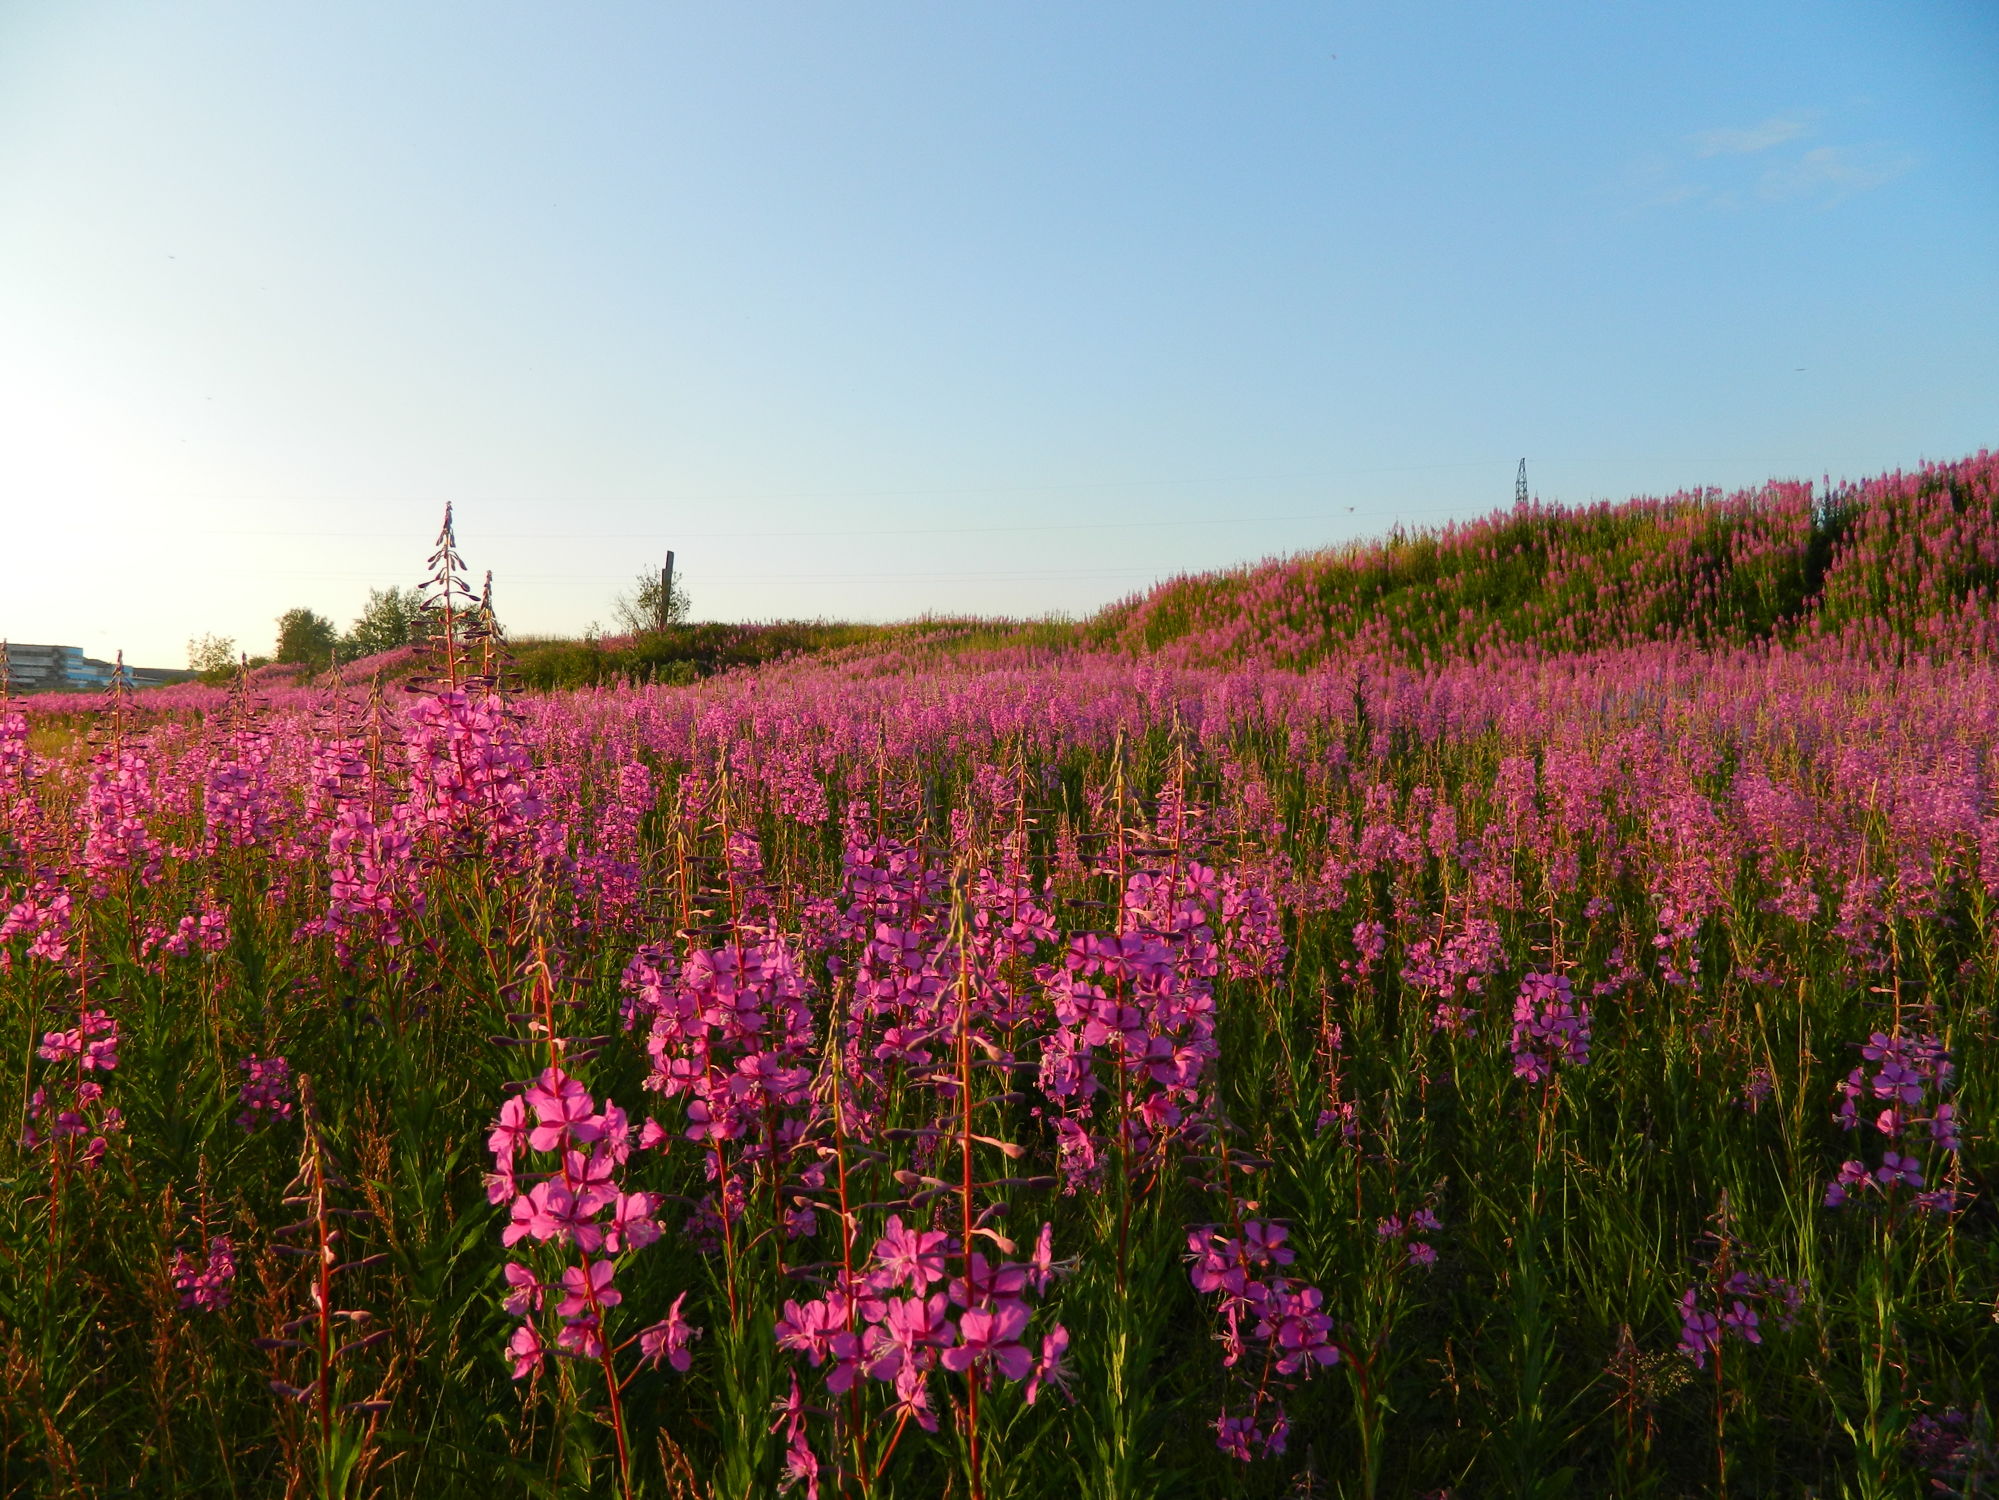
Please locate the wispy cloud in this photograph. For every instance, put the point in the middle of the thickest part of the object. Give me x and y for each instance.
(1774, 131)
(1771, 162)
(1829, 173)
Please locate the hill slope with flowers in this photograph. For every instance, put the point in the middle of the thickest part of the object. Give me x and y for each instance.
(1910, 551)
(1258, 1057)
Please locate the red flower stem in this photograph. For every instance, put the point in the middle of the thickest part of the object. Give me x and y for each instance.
(965, 1181)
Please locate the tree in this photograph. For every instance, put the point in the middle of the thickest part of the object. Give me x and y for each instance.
(211, 653)
(637, 610)
(393, 617)
(306, 637)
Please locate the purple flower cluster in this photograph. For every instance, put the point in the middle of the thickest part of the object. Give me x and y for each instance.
(1900, 1074)
(202, 931)
(1956, 1449)
(203, 1283)
(728, 1031)
(1454, 969)
(1742, 1300)
(371, 878)
(1262, 1310)
(471, 778)
(1253, 945)
(1142, 1002)
(574, 1206)
(77, 1103)
(1394, 1228)
(241, 805)
(1550, 1026)
(92, 1043)
(266, 1094)
(44, 913)
(888, 1325)
(116, 838)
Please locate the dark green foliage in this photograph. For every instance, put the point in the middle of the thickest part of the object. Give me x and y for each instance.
(685, 652)
(306, 637)
(392, 617)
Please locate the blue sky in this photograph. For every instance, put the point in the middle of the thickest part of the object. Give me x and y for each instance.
(874, 309)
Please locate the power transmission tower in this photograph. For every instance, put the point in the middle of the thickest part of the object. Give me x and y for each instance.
(666, 592)
(1520, 485)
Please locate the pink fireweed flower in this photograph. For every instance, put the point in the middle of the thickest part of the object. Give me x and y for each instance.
(909, 1257)
(1264, 1245)
(1851, 1175)
(93, 1042)
(266, 1095)
(1006, 1283)
(566, 1112)
(1297, 1331)
(1943, 1129)
(670, 1339)
(801, 1464)
(1242, 1438)
(912, 1398)
(903, 1339)
(1236, 1436)
(551, 1211)
(1394, 1229)
(1041, 1267)
(204, 1286)
(1217, 1262)
(632, 1226)
(816, 1329)
(991, 1338)
(581, 1337)
(1048, 1367)
(1741, 1321)
(1270, 1312)
(586, 1289)
(1550, 1026)
(524, 1293)
(525, 1350)
(1905, 1069)
(1897, 1168)
(509, 1131)
(1700, 1331)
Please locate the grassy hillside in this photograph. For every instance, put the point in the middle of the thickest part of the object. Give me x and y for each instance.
(684, 653)
(1905, 551)
(1908, 555)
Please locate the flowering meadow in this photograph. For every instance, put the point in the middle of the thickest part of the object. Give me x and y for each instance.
(1243, 1050)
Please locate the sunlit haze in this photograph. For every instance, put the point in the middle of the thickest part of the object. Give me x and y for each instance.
(870, 310)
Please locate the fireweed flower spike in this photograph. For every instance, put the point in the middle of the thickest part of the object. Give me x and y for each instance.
(266, 1094)
(568, 1228)
(1550, 1027)
(1260, 1310)
(66, 1113)
(1896, 1095)
(576, 1207)
(204, 1282)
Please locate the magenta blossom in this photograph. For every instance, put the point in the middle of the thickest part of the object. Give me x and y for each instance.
(670, 1339)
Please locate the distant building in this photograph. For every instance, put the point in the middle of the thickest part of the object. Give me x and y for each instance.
(57, 669)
